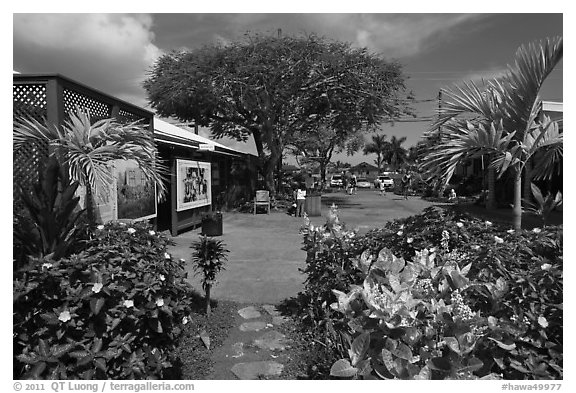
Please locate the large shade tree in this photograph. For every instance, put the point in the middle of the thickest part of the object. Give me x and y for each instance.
(86, 149)
(507, 126)
(268, 87)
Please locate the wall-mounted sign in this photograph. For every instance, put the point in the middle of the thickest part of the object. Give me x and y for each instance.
(193, 184)
(206, 147)
(135, 194)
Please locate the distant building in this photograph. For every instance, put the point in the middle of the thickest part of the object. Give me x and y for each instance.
(364, 169)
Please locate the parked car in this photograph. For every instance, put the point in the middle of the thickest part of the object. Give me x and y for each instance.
(386, 180)
(336, 181)
(363, 183)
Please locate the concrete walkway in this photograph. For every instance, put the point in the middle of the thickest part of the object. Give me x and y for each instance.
(265, 254)
(265, 249)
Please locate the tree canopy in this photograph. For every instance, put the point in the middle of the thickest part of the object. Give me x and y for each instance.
(268, 87)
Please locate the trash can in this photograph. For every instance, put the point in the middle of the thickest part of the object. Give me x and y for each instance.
(212, 224)
(312, 205)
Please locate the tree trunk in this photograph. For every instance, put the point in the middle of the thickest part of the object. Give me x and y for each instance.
(89, 204)
(491, 197)
(208, 300)
(527, 181)
(518, 198)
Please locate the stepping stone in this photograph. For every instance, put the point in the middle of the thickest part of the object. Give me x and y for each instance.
(237, 348)
(253, 370)
(278, 320)
(252, 326)
(271, 341)
(249, 312)
(271, 310)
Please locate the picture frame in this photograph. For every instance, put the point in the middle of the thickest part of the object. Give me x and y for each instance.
(193, 184)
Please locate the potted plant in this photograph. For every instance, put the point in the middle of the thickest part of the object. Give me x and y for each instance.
(208, 260)
(212, 223)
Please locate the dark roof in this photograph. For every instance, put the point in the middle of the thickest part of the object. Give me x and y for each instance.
(364, 166)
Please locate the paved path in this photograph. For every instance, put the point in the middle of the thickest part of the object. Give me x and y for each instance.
(265, 249)
(262, 270)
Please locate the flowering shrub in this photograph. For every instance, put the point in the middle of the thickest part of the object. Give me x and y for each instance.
(438, 295)
(114, 310)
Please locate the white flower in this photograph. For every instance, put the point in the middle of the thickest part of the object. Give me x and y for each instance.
(459, 224)
(498, 239)
(510, 231)
(100, 227)
(128, 303)
(159, 302)
(65, 316)
(542, 322)
(162, 277)
(166, 255)
(151, 233)
(131, 231)
(536, 230)
(402, 226)
(431, 250)
(185, 320)
(399, 233)
(97, 287)
(46, 265)
(546, 266)
(409, 240)
(488, 223)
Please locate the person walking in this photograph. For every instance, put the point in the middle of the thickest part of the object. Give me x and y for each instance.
(345, 181)
(353, 185)
(406, 184)
(300, 196)
(382, 187)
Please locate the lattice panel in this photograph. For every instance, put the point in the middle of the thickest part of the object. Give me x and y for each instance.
(129, 117)
(98, 110)
(29, 101)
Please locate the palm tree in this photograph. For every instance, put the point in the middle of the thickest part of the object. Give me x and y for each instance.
(378, 146)
(87, 150)
(396, 153)
(507, 125)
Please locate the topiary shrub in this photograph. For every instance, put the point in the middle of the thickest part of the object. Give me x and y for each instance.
(112, 311)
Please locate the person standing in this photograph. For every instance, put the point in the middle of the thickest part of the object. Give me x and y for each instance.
(300, 195)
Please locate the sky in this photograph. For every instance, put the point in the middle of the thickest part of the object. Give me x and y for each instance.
(114, 52)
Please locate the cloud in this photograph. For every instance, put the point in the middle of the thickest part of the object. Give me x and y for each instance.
(394, 35)
(110, 52)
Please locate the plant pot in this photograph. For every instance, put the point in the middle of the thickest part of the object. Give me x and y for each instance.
(212, 225)
(312, 205)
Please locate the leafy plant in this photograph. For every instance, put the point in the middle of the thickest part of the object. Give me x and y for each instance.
(113, 311)
(208, 258)
(437, 295)
(51, 223)
(86, 149)
(542, 206)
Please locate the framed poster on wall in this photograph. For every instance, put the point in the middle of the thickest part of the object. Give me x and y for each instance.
(135, 194)
(193, 184)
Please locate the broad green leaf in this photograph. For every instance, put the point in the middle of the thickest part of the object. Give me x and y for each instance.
(440, 364)
(452, 343)
(359, 347)
(43, 349)
(424, 374)
(364, 368)
(402, 351)
(60, 350)
(507, 347)
(342, 368)
(96, 305)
